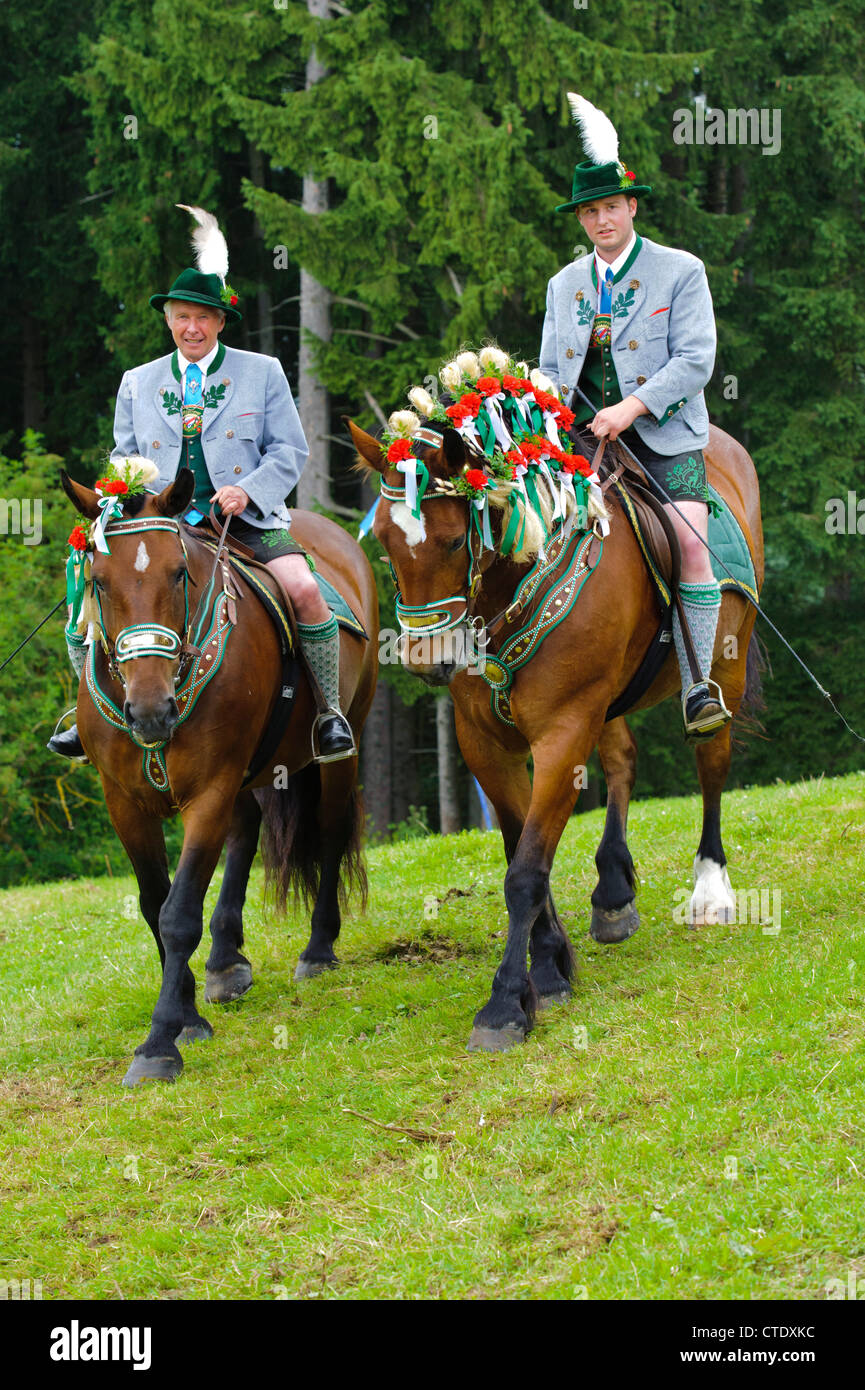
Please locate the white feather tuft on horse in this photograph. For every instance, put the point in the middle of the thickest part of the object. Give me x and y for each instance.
(208, 243)
(600, 141)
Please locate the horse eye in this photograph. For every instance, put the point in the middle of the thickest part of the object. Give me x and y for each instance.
(457, 544)
(181, 574)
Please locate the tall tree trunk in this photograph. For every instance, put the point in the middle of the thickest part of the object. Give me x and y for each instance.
(403, 723)
(313, 399)
(446, 739)
(376, 762)
(265, 338)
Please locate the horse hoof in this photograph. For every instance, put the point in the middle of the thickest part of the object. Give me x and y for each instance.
(195, 1032)
(153, 1069)
(306, 969)
(221, 986)
(495, 1039)
(548, 1001)
(615, 925)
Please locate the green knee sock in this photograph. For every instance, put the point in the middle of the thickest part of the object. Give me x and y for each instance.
(702, 604)
(321, 648)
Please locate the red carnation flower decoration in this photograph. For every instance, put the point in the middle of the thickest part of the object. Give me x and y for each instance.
(517, 385)
(476, 478)
(397, 451)
(488, 385)
(232, 299)
(564, 416)
(471, 402)
(77, 538)
(112, 487)
(577, 463)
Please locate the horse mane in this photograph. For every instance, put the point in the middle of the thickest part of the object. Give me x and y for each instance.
(533, 538)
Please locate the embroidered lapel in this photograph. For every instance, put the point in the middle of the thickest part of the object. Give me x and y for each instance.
(629, 292)
(583, 306)
(218, 389)
(168, 399)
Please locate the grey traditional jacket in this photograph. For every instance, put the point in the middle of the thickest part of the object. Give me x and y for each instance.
(663, 339)
(251, 433)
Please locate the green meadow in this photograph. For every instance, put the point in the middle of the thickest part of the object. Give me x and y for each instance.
(690, 1125)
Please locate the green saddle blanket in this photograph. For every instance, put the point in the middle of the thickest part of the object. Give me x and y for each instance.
(338, 606)
(728, 542)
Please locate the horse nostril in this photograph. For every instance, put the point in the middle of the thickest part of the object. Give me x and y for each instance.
(171, 710)
(127, 712)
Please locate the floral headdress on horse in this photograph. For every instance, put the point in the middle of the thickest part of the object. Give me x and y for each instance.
(515, 427)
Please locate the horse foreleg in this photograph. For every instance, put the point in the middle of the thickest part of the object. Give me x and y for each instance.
(228, 972)
(205, 825)
(614, 913)
(508, 1015)
(144, 841)
(504, 778)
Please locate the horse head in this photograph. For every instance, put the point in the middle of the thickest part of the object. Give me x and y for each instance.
(140, 593)
(433, 551)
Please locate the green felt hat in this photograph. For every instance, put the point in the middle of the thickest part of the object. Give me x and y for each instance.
(593, 181)
(197, 288)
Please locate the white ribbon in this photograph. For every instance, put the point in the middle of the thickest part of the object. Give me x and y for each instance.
(558, 509)
(500, 429)
(408, 468)
(552, 428)
(110, 509)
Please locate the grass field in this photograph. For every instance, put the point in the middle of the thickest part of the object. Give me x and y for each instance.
(690, 1125)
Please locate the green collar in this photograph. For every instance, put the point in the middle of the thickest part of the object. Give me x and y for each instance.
(635, 251)
(214, 366)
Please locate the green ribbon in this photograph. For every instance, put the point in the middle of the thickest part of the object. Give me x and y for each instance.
(532, 491)
(537, 417)
(75, 586)
(510, 540)
(514, 419)
(484, 426)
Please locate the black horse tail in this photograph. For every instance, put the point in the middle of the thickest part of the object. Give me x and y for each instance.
(294, 849)
(757, 665)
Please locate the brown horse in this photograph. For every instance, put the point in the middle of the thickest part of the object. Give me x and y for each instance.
(558, 703)
(156, 572)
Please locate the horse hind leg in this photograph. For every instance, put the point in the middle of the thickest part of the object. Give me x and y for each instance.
(712, 900)
(338, 825)
(228, 972)
(614, 911)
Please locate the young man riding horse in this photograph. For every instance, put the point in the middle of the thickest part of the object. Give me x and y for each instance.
(633, 326)
(229, 416)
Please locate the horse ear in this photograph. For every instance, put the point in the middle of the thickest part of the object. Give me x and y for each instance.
(454, 450)
(84, 498)
(368, 448)
(177, 496)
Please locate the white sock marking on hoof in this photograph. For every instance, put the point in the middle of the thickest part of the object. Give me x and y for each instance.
(712, 900)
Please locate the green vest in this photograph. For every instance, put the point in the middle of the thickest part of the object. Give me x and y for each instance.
(192, 453)
(598, 376)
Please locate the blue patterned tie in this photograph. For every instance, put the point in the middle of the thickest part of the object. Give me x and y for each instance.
(606, 292)
(193, 385)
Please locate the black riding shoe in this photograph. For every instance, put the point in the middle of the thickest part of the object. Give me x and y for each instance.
(705, 712)
(67, 744)
(335, 739)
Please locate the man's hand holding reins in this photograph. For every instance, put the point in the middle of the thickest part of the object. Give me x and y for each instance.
(613, 419)
(232, 500)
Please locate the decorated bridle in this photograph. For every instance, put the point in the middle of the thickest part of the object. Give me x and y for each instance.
(141, 639)
(441, 615)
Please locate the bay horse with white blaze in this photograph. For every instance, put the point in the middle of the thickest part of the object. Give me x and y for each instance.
(558, 704)
(311, 812)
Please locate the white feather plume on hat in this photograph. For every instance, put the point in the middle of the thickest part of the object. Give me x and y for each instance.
(600, 141)
(208, 243)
